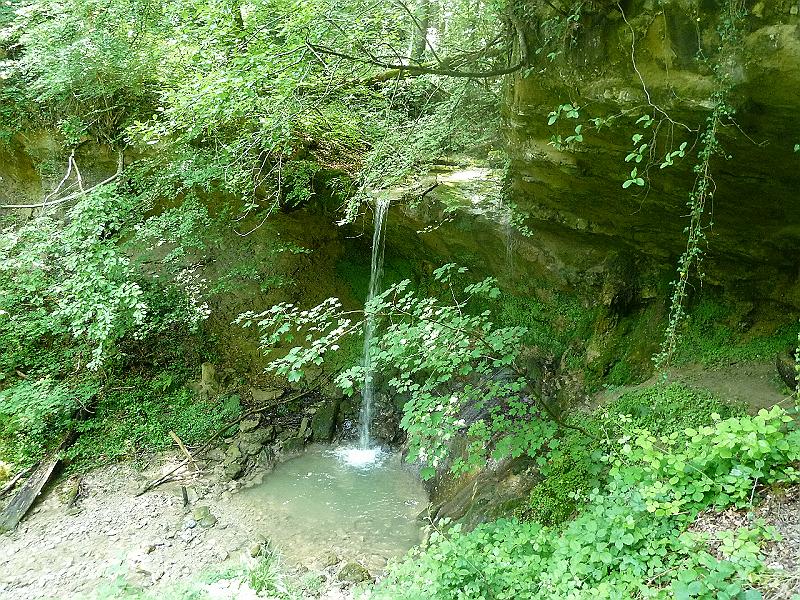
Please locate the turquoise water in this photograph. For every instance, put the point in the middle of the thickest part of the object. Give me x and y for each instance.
(318, 502)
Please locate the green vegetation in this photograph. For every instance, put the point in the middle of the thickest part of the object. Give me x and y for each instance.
(551, 326)
(711, 337)
(633, 539)
(136, 420)
(166, 140)
(571, 465)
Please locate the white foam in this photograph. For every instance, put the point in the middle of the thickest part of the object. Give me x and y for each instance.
(359, 457)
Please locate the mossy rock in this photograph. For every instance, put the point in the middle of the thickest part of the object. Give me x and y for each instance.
(323, 423)
(353, 572)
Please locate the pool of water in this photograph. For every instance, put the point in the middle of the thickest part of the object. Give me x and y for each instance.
(332, 499)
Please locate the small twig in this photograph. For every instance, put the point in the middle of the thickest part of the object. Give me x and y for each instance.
(189, 456)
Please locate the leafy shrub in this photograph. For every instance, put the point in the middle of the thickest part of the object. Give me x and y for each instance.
(631, 541)
(137, 419)
(34, 413)
(81, 64)
(571, 464)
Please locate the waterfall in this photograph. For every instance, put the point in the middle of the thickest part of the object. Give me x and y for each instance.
(381, 208)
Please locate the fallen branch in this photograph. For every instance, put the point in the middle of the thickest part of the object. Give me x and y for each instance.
(189, 457)
(25, 498)
(74, 195)
(10, 485)
(397, 70)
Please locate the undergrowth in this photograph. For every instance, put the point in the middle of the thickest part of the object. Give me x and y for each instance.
(136, 418)
(572, 466)
(711, 338)
(632, 539)
(123, 419)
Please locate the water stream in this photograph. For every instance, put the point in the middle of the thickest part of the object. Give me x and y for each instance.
(376, 271)
(317, 503)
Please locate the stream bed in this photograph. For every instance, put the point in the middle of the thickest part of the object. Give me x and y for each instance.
(319, 503)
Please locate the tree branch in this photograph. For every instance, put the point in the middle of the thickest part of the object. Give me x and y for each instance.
(78, 194)
(395, 70)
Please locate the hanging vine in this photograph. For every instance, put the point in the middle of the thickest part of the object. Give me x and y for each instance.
(704, 187)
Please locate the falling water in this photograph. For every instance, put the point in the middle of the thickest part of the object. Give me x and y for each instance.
(381, 207)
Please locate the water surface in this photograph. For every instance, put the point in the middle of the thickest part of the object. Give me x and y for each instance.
(320, 501)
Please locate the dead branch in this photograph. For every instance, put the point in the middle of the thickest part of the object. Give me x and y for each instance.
(74, 195)
(396, 70)
(10, 485)
(188, 454)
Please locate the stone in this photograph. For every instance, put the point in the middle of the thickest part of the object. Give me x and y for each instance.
(233, 469)
(216, 454)
(324, 421)
(233, 453)
(304, 431)
(329, 559)
(249, 424)
(262, 435)
(294, 444)
(200, 512)
(263, 396)
(190, 524)
(250, 448)
(353, 572)
(208, 521)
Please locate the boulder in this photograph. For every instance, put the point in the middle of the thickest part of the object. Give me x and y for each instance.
(250, 448)
(323, 423)
(216, 454)
(262, 435)
(233, 453)
(329, 559)
(233, 468)
(294, 444)
(386, 420)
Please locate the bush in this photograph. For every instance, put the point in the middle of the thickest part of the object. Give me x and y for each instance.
(35, 414)
(137, 419)
(571, 466)
(631, 541)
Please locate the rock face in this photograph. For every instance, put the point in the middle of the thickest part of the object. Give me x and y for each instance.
(645, 61)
